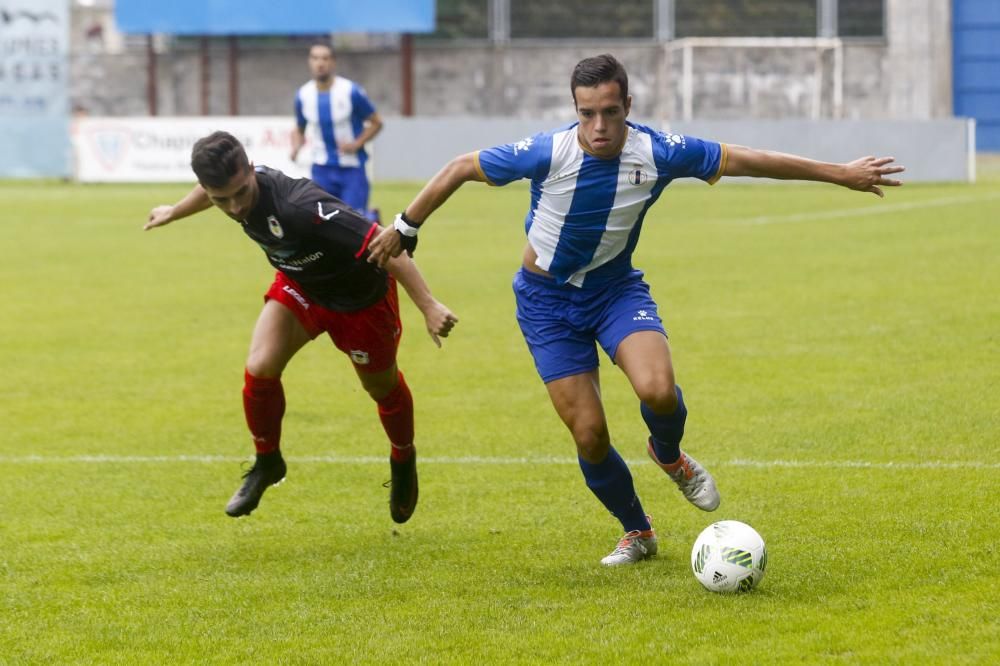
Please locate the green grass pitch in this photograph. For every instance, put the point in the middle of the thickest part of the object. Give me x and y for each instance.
(840, 357)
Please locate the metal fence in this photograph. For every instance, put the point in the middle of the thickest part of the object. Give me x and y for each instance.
(505, 20)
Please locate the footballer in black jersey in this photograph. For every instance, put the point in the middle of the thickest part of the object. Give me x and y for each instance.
(324, 283)
(315, 239)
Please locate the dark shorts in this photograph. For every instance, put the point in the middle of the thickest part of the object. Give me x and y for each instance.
(370, 337)
(563, 324)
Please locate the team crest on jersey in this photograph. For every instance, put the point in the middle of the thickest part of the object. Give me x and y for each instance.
(359, 357)
(637, 177)
(275, 226)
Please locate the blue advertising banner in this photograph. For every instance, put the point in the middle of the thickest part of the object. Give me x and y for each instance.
(34, 98)
(266, 17)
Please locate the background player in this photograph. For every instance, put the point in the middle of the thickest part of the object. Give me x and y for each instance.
(591, 185)
(338, 118)
(323, 283)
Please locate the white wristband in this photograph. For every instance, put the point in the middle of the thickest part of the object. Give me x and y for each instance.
(404, 228)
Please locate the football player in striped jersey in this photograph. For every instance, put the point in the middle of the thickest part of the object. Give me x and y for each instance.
(592, 183)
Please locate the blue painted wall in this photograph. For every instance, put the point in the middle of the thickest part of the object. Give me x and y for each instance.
(976, 43)
(266, 17)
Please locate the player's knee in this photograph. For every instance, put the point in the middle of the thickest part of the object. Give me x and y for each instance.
(659, 394)
(261, 364)
(592, 441)
(378, 390)
(380, 385)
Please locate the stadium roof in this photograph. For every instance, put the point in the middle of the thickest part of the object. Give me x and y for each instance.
(265, 17)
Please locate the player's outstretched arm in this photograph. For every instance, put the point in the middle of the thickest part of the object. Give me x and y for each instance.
(389, 242)
(194, 202)
(867, 174)
(437, 316)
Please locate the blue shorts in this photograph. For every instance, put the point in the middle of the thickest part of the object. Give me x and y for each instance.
(561, 323)
(349, 184)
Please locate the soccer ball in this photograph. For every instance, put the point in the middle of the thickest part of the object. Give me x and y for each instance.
(729, 556)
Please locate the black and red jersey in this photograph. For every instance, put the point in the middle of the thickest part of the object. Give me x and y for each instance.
(316, 240)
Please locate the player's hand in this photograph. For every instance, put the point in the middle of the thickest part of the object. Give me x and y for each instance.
(384, 247)
(159, 216)
(440, 320)
(869, 173)
(349, 148)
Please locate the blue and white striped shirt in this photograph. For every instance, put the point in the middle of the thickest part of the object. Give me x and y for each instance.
(332, 117)
(586, 212)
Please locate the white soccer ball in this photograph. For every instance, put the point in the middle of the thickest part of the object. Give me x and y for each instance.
(729, 556)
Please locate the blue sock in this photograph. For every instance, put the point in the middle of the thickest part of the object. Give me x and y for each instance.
(611, 482)
(667, 430)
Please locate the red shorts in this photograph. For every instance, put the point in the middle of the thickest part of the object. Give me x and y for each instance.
(370, 336)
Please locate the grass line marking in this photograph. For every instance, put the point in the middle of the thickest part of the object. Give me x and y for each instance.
(495, 460)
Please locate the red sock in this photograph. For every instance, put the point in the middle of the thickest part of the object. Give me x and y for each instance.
(396, 413)
(264, 405)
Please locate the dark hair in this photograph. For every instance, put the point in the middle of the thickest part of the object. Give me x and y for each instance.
(216, 158)
(591, 72)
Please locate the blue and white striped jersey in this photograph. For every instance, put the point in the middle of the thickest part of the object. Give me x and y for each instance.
(586, 212)
(332, 117)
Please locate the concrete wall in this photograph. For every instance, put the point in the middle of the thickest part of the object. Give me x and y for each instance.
(917, 64)
(906, 76)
